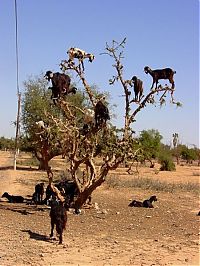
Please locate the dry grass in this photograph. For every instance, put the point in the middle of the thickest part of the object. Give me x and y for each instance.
(151, 184)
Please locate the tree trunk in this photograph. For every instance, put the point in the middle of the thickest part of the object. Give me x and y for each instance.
(43, 164)
(83, 196)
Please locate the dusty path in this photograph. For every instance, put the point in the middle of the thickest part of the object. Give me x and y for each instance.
(112, 235)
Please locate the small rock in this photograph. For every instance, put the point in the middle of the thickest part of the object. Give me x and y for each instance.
(117, 212)
(96, 206)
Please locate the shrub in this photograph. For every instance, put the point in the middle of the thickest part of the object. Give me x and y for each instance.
(166, 162)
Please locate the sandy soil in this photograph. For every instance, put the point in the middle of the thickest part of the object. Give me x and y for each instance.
(114, 234)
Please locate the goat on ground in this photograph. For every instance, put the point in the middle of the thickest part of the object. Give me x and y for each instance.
(80, 55)
(68, 190)
(101, 114)
(166, 73)
(13, 199)
(135, 203)
(138, 88)
(146, 203)
(60, 85)
(38, 194)
(58, 215)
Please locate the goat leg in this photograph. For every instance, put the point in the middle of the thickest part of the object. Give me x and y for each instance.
(52, 228)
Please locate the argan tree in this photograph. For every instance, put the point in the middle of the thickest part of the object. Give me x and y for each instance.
(83, 149)
(45, 143)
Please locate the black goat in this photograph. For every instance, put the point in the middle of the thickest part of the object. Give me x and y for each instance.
(135, 203)
(38, 194)
(166, 73)
(60, 84)
(138, 88)
(146, 203)
(101, 114)
(58, 216)
(68, 190)
(13, 199)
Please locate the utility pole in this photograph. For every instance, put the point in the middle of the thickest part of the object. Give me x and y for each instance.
(17, 130)
(18, 92)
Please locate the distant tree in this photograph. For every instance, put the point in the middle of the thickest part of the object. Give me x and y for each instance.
(7, 143)
(189, 154)
(150, 142)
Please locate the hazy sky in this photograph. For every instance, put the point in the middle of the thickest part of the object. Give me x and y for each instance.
(160, 33)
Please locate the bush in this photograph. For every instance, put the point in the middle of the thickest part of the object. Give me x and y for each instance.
(167, 163)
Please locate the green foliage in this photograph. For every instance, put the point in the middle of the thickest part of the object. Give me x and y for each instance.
(150, 141)
(6, 143)
(189, 154)
(36, 106)
(166, 160)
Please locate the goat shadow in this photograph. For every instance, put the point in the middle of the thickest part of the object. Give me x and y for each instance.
(37, 236)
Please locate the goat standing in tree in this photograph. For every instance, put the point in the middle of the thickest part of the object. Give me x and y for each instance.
(138, 88)
(101, 114)
(60, 84)
(166, 73)
(80, 55)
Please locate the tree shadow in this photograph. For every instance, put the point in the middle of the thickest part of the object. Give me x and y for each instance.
(26, 168)
(21, 211)
(24, 210)
(37, 236)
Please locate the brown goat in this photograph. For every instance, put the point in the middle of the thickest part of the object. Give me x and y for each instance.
(60, 85)
(166, 73)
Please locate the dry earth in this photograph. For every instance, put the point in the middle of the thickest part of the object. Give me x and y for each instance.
(113, 235)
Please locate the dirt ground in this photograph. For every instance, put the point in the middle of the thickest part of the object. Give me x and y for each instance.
(113, 234)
